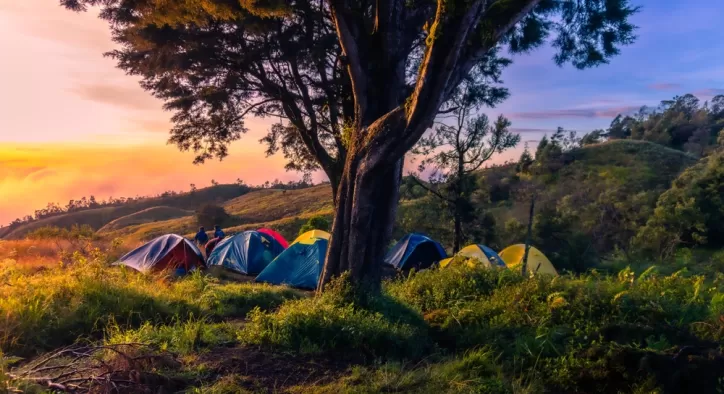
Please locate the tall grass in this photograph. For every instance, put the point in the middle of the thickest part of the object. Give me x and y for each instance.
(54, 307)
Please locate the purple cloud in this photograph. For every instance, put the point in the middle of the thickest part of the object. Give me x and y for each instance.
(664, 86)
(591, 113)
(527, 130)
(708, 92)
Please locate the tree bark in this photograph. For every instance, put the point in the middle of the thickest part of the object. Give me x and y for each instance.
(365, 212)
(528, 236)
(458, 231)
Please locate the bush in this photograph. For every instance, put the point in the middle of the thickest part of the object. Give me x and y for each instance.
(315, 223)
(209, 215)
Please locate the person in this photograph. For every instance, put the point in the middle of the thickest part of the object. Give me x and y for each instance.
(218, 233)
(201, 238)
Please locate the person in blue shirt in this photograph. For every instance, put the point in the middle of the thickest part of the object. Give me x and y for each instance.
(201, 237)
(218, 233)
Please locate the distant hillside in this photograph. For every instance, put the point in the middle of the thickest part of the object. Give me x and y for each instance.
(284, 210)
(99, 217)
(596, 200)
(154, 214)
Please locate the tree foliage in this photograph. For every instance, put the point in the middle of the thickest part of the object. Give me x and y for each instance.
(691, 212)
(454, 152)
(682, 123)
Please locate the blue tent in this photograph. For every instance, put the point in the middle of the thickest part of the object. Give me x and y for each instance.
(298, 266)
(169, 251)
(245, 253)
(415, 251)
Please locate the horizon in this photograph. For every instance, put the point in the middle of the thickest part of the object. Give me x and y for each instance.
(101, 134)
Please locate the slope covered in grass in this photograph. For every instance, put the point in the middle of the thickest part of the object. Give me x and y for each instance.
(149, 215)
(283, 210)
(99, 217)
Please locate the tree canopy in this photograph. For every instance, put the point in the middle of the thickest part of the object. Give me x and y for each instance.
(683, 123)
(215, 63)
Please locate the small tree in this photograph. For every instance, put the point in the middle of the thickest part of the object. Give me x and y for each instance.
(455, 152)
(214, 183)
(209, 215)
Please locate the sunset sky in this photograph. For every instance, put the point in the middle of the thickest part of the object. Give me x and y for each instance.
(71, 124)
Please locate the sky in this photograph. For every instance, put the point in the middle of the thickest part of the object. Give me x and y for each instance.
(72, 125)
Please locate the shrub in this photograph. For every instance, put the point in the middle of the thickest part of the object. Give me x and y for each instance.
(209, 215)
(315, 223)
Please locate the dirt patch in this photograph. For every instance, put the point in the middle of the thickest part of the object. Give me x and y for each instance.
(273, 371)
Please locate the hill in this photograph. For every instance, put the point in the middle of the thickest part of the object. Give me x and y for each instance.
(149, 215)
(283, 210)
(99, 217)
(590, 202)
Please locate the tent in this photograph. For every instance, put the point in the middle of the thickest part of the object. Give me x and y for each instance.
(538, 263)
(169, 251)
(211, 245)
(301, 264)
(312, 235)
(246, 253)
(275, 235)
(482, 253)
(415, 251)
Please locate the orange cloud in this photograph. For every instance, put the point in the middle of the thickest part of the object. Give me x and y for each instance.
(33, 175)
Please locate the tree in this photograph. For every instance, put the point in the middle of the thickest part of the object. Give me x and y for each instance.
(355, 84)
(455, 152)
(525, 161)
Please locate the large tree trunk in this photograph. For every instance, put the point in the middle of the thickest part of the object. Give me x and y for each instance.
(364, 215)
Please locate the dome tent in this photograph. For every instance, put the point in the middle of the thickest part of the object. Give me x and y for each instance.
(414, 251)
(169, 251)
(246, 253)
(311, 235)
(301, 264)
(482, 253)
(538, 263)
(282, 241)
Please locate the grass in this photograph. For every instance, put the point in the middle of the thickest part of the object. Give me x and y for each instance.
(154, 214)
(282, 210)
(98, 217)
(45, 309)
(455, 330)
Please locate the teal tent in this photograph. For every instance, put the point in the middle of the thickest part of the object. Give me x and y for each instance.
(246, 253)
(298, 266)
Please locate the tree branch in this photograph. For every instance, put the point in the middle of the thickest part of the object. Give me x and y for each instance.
(431, 190)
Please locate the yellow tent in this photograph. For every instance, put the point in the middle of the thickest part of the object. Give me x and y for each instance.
(309, 237)
(538, 263)
(479, 252)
